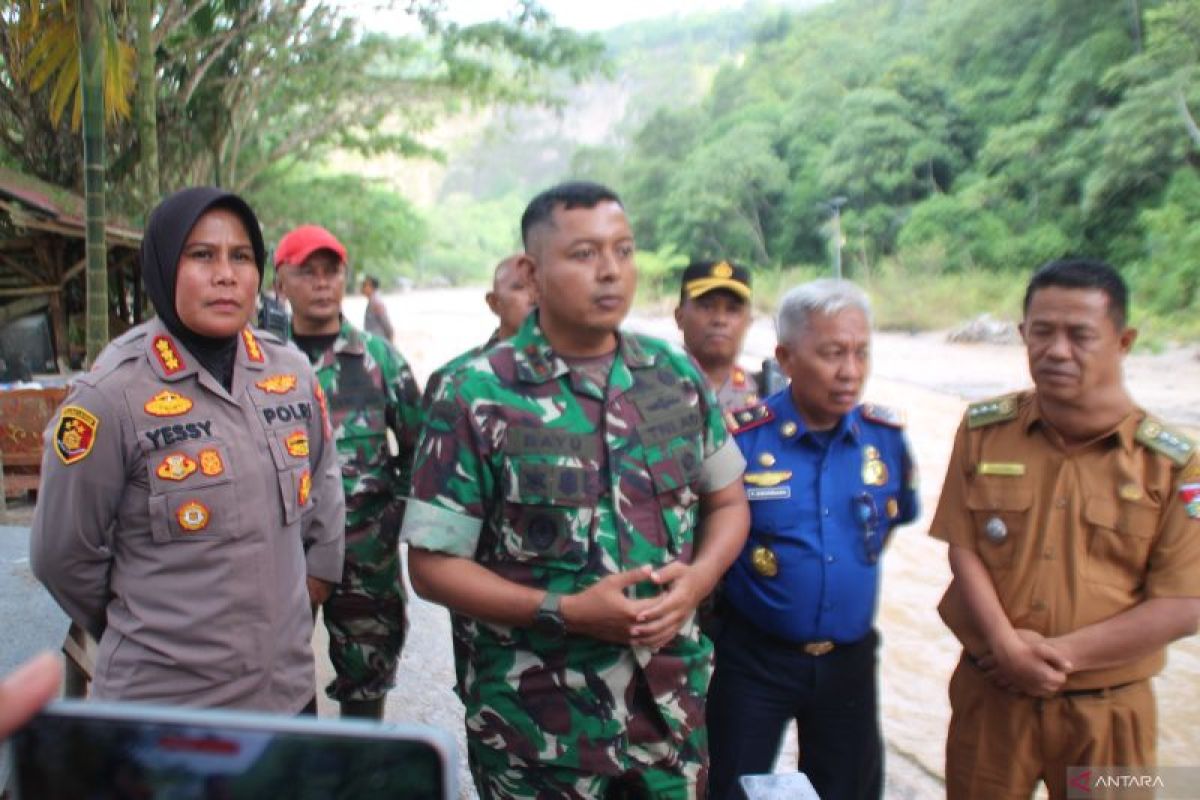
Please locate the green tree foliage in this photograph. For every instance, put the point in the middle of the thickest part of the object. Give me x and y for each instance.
(246, 88)
(382, 232)
(965, 135)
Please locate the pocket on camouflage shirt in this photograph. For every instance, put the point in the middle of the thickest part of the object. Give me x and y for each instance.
(549, 513)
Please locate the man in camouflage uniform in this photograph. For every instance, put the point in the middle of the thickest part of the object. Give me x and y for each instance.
(511, 300)
(558, 492)
(371, 394)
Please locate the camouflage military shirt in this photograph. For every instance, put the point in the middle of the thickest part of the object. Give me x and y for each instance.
(552, 482)
(439, 374)
(370, 390)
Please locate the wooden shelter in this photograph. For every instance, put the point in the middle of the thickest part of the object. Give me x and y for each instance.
(42, 261)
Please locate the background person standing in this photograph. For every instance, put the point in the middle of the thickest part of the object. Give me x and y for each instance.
(371, 393)
(713, 315)
(375, 318)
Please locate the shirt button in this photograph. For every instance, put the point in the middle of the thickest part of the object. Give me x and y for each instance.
(828, 559)
(1047, 554)
(825, 511)
(1038, 605)
(1060, 502)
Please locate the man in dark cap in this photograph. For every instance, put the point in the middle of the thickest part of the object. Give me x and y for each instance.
(372, 394)
(713, 315)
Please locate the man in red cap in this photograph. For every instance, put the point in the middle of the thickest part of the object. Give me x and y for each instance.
(371, 391)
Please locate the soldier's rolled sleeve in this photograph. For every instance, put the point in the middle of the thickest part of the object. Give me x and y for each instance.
(722, 468)
(450, 479)
(71, 548)
(1174, 566)
(324, 531)
(441, 530)
(952, 521)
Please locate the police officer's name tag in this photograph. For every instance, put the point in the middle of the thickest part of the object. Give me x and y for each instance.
(768, 492)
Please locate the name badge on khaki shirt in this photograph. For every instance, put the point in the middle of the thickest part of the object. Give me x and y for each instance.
(1002, 468)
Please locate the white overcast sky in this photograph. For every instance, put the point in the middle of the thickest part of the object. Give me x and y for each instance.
(580, 14)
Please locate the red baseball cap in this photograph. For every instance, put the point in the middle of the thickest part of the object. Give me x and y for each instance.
(300, 243)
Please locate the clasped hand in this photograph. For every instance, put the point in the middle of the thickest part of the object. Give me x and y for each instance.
(604, 611)
(1027, 663)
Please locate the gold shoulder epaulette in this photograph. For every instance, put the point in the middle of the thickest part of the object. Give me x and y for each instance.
(884, 415)
(989, 412)
(1170, 443)
(746, 418)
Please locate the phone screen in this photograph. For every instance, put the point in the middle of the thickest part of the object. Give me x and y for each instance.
(92, 751)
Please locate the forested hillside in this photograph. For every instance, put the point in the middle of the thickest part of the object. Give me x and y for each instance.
(964, 135)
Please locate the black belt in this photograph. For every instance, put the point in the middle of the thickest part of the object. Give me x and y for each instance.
(816, 649)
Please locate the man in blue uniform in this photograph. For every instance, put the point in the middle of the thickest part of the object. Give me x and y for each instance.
(827, 480)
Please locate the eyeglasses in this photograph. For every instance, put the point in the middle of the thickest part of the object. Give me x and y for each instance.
(867, 513)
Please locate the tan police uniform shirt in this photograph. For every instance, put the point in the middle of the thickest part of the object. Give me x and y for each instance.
(1088, 532)
(739, 391)
(176, 522)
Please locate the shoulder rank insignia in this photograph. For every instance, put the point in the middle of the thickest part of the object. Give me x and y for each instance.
(168, 354)
(989, 412)
(175, 467)
(277, 384)
(297, 444)
(75, 434)
(253, 351)
(873, 412)
(193, 516)
(746, 419)
(167, 404)
(1160, 439)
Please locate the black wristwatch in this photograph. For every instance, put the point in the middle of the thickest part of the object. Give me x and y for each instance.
(548, 621)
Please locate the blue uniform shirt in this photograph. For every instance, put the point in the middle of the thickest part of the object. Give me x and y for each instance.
(824, 505)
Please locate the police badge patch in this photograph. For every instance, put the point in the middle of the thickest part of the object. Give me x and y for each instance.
(75, 434)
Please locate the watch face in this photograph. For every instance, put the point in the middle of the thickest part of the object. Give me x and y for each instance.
(549, 620)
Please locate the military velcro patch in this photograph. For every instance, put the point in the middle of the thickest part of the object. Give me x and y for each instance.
(884, 415)
(989, 412)
(1172, 444)
(75, 434)
(748, 418)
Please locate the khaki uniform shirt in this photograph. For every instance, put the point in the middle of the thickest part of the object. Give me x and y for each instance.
(176, 521)
(1074, 537)
(739, 391)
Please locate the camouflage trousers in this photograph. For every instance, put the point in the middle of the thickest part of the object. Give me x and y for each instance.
(365, 614)
(652, 765)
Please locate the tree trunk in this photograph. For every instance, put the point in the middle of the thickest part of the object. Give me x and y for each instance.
(147, 117)
(91, 80)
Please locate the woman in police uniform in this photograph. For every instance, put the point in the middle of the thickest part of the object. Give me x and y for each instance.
(190, 507)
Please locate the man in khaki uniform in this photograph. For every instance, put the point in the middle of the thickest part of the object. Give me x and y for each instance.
(1073, 520)
(713, 315)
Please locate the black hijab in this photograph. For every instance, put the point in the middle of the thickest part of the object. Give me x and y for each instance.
(162, 244)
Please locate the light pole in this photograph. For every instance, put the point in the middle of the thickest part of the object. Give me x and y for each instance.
(835, 204)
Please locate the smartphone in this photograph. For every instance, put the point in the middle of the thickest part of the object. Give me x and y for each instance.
(76, 750)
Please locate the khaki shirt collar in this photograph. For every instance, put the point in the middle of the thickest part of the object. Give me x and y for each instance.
(1123, 433)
